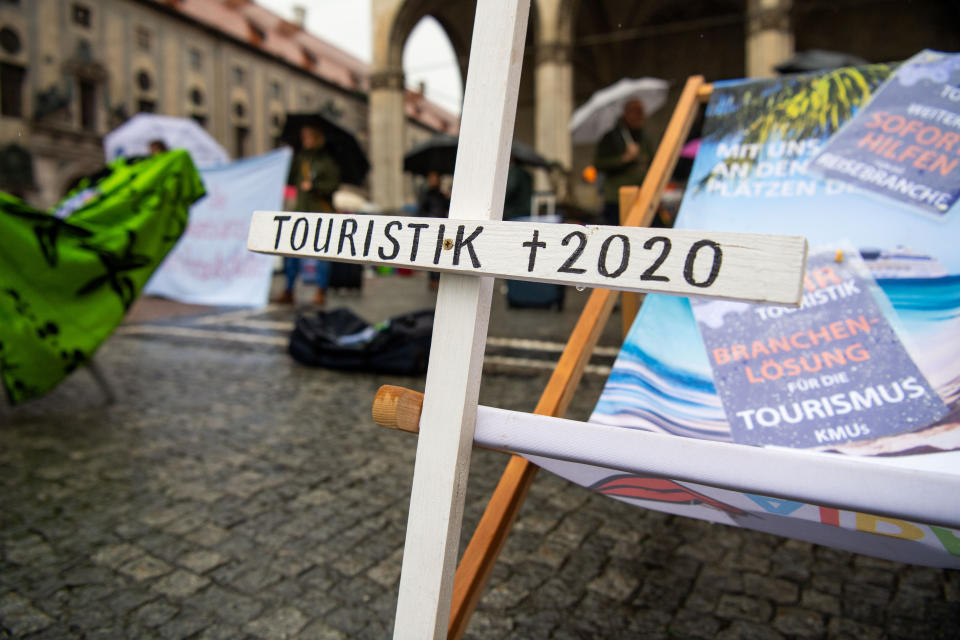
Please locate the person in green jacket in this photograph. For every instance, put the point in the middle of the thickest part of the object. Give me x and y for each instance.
(316, 174)
(623, 155)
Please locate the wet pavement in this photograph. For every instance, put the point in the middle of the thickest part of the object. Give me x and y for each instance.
(231, 493)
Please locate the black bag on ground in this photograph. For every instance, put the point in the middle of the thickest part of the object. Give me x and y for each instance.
(339, 339)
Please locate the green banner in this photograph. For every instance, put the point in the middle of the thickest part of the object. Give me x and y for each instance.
(68, 276)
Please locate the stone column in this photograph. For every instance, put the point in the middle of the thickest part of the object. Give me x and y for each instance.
(769, 36)
(386, 138)
(554, 105)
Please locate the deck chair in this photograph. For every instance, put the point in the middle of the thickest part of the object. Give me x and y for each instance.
(69, 275)
(921, 527)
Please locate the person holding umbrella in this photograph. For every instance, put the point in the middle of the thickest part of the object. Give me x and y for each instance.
(613, 119)
(433, 203)
(623, 155)
(316, 174)
(519, 191)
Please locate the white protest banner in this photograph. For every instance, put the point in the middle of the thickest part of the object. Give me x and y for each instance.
(210, 264)
(745, 266)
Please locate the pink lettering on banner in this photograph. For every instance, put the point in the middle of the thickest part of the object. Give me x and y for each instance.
(217, 230)
(217, 199)
(217, 267)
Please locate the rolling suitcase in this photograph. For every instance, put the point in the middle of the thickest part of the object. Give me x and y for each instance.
(534, 295)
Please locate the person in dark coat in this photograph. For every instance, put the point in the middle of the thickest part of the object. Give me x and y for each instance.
(316, 174)
(518, 193)
(433, 203)
(623, 155)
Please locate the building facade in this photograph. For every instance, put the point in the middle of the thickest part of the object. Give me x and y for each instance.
(575, 47)
(72, 70)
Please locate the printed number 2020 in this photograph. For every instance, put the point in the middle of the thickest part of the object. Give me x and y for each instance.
(608, 267)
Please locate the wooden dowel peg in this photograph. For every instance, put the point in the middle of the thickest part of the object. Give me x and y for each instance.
(398, 408)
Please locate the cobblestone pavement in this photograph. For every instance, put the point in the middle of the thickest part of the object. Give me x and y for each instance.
(230, 493)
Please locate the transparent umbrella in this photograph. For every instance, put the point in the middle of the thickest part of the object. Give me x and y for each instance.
(134, 136)
(598, 114)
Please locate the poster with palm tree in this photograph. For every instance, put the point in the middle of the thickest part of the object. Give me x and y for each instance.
(756, 127)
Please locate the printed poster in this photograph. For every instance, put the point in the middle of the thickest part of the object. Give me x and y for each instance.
(752, 174)
(211, 265)
(833, 371)
(905, 144)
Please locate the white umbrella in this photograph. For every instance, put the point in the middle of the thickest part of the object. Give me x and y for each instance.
(598, 114)
(345, 200)
(133, 138)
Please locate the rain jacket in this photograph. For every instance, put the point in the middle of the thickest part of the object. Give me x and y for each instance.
(607, 159)
(321, 169)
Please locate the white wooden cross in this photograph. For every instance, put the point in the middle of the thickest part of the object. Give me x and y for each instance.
(473, 242)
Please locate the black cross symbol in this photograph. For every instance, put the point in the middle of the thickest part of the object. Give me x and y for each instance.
(116, 265)
(534, 244)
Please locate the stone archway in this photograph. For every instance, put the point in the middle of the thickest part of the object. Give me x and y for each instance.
(546, 85)
(393, 20)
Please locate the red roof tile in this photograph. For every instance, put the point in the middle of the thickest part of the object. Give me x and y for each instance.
(259, 27)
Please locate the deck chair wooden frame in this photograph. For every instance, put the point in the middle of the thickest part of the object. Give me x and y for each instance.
(638, 205)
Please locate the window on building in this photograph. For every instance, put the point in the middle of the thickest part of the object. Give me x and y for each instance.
(239, 75)
(241, 138)
(239, 109)
(196, 96)
(10, 40)
(257, 33)
(88, 105)
(146, 106)
(81, 15)
(196, 59)
(200, 119)
(11, 90)
(144, 81)
(142, 35)
(275, 89)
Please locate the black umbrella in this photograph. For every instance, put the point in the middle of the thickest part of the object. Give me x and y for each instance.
(817, 60)
(341, 143)
(439, 154)
(524, 154)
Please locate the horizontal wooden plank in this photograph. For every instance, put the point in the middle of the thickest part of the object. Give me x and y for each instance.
(740, 266)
